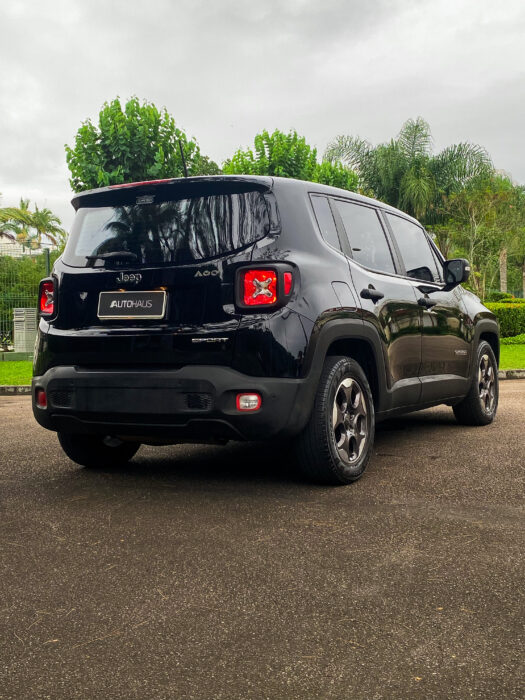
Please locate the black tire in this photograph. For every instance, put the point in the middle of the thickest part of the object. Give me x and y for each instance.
(318, 454)
(97, 451)
(481, 403)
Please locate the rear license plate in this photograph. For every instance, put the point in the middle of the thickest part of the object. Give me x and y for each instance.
(150, 305)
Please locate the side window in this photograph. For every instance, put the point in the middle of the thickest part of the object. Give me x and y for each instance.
(366, 236)
(439, 267)
(415, 250)
(326, 222)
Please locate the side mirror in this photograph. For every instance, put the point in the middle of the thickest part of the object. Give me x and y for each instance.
(455, 272)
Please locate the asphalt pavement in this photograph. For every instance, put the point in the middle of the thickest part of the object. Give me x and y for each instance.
(215, 572)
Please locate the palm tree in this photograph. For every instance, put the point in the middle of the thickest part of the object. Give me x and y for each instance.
(29, 226)
(18, 221)
(47, 225)
(405, 173)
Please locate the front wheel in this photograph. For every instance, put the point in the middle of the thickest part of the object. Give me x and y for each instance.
(336, 444)
(481, 403)
(97, 451)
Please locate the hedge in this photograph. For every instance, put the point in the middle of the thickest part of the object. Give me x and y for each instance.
(515, 340)
(511, 318)
(504, 297)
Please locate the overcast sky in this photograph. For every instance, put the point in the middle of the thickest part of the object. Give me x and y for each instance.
(225, 69)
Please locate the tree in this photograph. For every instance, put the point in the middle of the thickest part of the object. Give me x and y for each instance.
(405, 173)
(513, 219)
(132, 144)
(31, 227)
(288, 155)
(18, 221)
(47, 225)
(336, 175)
(486, 224)
(20, 225)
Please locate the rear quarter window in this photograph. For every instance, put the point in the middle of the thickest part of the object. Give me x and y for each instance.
(325, 220)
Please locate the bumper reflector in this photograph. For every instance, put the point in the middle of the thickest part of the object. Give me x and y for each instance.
(248, 402)
(41, 398)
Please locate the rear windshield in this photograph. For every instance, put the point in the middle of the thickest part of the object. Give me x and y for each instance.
(181, 231)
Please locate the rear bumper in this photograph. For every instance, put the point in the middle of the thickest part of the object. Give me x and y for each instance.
(194, 403)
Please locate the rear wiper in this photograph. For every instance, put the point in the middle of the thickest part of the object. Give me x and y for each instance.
(114, 255)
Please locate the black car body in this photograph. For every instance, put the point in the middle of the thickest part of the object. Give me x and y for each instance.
(157, 322)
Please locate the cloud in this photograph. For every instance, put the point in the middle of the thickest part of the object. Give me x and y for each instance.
(228, 69)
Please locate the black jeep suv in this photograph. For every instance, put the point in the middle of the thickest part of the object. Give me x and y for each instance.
(209, 309)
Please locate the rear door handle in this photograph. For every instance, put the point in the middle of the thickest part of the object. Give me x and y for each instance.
(371, 293)
(427, 303)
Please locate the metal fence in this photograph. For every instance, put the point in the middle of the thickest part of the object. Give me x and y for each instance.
(19, 280)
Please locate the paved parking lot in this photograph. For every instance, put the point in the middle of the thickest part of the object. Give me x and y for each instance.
(203, 572)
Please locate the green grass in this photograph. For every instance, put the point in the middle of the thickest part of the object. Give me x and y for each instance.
(512, 357)
(18, 373)
(15, 373)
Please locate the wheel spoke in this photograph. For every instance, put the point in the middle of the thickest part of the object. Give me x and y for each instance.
(343, 446)
(359, 440)
(337, 415)
(360, 405)
(347, 387)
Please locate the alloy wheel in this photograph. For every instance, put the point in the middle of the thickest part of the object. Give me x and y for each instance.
(487, 384)
(350, 421)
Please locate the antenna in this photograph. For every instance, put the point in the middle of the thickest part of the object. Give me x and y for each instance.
(183, 159)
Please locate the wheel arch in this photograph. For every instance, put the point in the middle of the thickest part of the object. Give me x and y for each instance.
(487, 329)
(493, 340)
(351, 338)
(361, 350)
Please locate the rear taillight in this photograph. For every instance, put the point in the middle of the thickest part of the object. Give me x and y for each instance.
(259, 287)
(263, 286)
(288, 282)
(46, 301)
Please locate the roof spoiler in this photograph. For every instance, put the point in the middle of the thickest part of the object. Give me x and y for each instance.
(173, 188)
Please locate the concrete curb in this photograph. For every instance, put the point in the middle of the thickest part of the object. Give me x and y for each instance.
(511, 374)
(14, 390)
(26, 389)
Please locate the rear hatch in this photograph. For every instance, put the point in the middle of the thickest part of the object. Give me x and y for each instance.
(148, 273)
